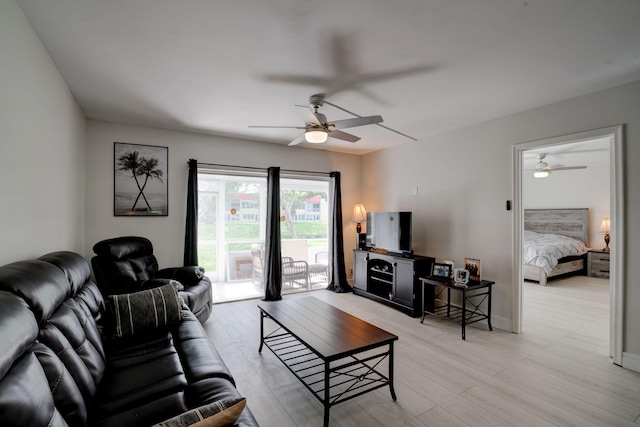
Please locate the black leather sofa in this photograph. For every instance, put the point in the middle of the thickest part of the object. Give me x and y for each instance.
(59, 365)
(125, 264)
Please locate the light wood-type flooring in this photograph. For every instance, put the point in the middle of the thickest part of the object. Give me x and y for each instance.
(556, 373)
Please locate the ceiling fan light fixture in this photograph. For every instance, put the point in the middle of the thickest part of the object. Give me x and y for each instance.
(316, 136)
(541, 174)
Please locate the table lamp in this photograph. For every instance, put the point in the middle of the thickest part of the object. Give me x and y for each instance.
(359, 216)
(605, 225)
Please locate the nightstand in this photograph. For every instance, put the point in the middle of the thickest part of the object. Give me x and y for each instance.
(598, 264)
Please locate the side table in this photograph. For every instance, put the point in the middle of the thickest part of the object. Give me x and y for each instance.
(473, 295)
(598, 263)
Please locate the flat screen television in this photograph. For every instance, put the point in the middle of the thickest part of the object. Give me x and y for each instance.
(390, 231)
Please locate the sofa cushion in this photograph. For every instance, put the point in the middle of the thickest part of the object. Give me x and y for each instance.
(217, 414)
(19, 329)
(25, 396)
(66, 395)
(146, 310)
(41, 284)
(123, 247)
(74, 267)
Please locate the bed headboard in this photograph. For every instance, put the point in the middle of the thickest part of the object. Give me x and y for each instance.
(565, 222)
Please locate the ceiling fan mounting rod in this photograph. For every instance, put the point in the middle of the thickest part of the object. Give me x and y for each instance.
(377, 124)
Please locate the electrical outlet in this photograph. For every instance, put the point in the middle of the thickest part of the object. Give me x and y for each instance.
(414, 191)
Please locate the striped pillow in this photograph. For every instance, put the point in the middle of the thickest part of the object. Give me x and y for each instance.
(145, 310)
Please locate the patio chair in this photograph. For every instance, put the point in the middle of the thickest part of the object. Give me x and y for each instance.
(319, 271)
(294, 273)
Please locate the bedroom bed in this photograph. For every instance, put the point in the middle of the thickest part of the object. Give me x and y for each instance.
(555, 243)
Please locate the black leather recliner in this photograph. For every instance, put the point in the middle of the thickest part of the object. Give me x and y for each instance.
(126, 264)
(61, 366)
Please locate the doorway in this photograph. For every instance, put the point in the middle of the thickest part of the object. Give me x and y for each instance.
(613, 137)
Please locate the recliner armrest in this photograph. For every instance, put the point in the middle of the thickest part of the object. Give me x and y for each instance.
(161, 281)
(188, 276)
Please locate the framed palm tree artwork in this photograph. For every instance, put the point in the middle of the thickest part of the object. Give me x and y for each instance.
(140, 180)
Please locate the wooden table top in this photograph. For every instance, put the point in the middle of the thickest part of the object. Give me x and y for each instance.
(328, 331)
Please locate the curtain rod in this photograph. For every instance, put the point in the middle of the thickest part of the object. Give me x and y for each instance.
(262, 169)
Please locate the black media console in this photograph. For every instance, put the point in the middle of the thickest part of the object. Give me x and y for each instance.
(393, 280)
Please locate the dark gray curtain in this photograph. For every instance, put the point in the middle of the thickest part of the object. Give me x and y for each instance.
(191, 229)
(337, 270)
(272, 258)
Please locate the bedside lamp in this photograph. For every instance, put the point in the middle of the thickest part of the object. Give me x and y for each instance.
(605, 225)
(359, 216)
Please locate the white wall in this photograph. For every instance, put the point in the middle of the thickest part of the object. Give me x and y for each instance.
(580, 188)
(42, 135)
(167, 233)
(464, 178)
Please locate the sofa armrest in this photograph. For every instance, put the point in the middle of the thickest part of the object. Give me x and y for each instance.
(188, 276)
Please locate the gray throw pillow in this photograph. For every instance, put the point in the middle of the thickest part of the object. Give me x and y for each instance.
(145, 310)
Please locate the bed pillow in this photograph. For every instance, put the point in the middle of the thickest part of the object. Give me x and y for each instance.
(217, 414)
(145, 310)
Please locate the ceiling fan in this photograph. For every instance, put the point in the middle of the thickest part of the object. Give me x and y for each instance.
(317, 128)
(542, 169)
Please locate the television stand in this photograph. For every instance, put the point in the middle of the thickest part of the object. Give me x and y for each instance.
(393, 280)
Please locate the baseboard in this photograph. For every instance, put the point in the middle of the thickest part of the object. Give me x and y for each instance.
(631, 361)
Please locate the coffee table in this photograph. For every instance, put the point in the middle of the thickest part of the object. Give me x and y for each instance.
(335, 355)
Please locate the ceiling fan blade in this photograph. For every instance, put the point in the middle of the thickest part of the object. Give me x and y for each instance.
(358, 121)
(307, 115)
(296, 79)
(338, 134)
(298, 140)
(279, 127)
(566, 168)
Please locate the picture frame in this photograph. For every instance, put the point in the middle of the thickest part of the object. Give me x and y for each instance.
(441, 270)
(474, 267)
(140, 180)
(452, 264)
(461, 276)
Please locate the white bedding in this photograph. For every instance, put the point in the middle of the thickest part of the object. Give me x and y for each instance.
(544, 250)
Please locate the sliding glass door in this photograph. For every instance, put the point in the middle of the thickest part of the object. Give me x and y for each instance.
(232, 225)
(231, 216)
(305, 218)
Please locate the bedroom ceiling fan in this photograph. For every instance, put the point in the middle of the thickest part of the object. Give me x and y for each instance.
(543, 169)
(317, 128)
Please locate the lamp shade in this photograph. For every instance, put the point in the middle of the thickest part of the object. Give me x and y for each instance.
(359, 213)
(541, 174)
(316, 136)
(605, 225)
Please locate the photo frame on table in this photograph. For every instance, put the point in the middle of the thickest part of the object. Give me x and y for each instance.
(451, 263)
(140, 180)
(460, 277)
(441, 270)
(472, 265)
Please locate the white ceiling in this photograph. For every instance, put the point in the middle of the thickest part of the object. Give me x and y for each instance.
(210, 65)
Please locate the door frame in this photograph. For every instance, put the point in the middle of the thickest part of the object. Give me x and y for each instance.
(616, 200)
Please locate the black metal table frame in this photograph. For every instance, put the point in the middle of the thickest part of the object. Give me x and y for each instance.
(461, 315)
(351, 376)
